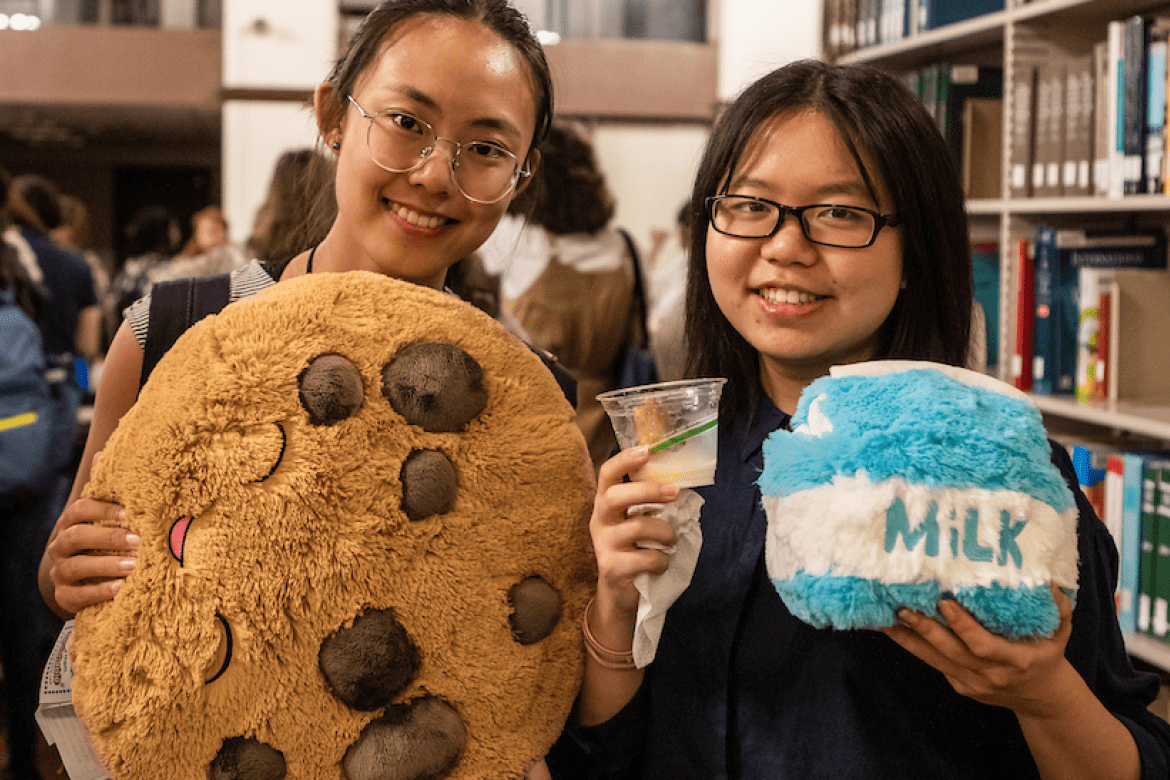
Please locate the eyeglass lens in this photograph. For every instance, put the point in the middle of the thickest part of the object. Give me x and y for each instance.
(483, 171)
(842, 226)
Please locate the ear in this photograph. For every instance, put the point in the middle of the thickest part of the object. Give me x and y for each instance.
(329, 111)
(533, 164)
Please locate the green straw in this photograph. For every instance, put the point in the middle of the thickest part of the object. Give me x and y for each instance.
(673, 440)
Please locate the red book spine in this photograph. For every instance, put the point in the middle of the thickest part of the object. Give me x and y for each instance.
(1025, 316)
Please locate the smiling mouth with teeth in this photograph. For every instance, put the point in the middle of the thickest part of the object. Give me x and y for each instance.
(792, 297)
(415, 218)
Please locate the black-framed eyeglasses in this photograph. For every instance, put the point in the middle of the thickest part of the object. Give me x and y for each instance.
(847, 227)
(484, 171)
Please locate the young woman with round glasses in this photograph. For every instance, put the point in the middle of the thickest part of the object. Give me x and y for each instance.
(406, 207)
(830, 230)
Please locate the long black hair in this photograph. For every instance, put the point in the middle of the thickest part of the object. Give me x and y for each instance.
(878, 118)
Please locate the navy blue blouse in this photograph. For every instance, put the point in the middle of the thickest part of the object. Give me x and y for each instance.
(742, 689)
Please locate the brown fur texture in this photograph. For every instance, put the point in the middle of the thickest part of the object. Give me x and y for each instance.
(297, 610)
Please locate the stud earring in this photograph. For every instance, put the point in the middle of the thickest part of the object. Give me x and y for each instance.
(337, 146)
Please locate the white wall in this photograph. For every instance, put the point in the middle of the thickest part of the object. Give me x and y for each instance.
(278, 45)
(758, 36)
(255, 134)
(267, 45)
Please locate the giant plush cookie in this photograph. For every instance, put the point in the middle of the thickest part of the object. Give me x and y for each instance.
(901, 481)
(363, 508)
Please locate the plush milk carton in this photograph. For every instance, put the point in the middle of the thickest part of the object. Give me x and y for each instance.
(901, 481)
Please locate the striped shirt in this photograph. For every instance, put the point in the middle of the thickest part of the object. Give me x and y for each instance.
(244, 283)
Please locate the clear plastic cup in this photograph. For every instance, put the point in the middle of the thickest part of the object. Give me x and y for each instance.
(678, 420)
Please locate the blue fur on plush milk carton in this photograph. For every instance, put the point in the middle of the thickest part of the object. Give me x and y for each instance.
(904, 480)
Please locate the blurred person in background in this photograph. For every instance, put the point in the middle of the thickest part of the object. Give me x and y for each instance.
(26, 508)
(294, 216)
(567, 275)
(70, 320)
(208, 252)
(152, 238)
(667, 297)
(74, 235)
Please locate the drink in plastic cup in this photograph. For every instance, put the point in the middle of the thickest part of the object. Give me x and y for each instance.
(679, 420)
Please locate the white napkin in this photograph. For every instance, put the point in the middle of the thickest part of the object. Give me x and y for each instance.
(658, 591)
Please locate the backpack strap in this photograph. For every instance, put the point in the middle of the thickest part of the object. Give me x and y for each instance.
(178, 304)
(565, 380)
(175, 306)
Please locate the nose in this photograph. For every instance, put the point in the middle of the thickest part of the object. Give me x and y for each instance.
(788, 244)
(437, 171)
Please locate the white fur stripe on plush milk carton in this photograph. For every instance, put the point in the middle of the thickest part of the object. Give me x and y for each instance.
(903, 481)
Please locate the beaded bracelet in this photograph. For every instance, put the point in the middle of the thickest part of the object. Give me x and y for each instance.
(606, 658)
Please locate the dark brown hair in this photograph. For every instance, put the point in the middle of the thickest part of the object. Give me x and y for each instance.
(878, 118)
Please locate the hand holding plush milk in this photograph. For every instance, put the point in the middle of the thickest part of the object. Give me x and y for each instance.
(903, 481)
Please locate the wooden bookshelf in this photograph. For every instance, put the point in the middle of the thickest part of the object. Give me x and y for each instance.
(1005, 38)
(1150, 650)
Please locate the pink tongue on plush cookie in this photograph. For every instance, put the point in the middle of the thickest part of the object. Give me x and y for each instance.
(179, 536)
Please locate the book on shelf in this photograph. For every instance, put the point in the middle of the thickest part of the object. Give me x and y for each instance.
(1134, 88)
(1114, 519)
(1108, 331)
(1138, 369)
(1090, 461)
(1126, 487)
(1023, 134)
(933, 14)
(1077, 348)
(1115, 117)
(1148, 550)
(1090, 282)
(1114, 247)
(1102, 131)
(982, 163)
(1025, 287)
(1076, 176)
(1160, 622)
(867, 23)
(985, 276)
(1049, 152)
(894, 20)
(1054, 343)
(1157, 47)
(958, 84)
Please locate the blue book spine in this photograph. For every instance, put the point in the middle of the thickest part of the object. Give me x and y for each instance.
(1043, 329)
(1156, 110)
(939, 13)
(1066, 311)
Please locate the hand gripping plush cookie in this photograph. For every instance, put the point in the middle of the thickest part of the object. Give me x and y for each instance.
(363, 508)
(901, 481)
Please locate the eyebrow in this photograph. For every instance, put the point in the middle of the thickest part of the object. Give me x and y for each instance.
(487, 122)
(843, 187)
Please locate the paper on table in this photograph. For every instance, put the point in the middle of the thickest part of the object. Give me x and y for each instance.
(659, 591)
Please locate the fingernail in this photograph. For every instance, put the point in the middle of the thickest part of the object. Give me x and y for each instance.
(116, 586)
(947, 595)
(127, 564)
(121, 514)
(133, 539)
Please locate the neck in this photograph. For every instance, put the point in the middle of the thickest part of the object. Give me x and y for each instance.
(785, 386)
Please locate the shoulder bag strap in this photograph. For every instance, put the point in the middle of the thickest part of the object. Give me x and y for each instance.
(175, 306)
